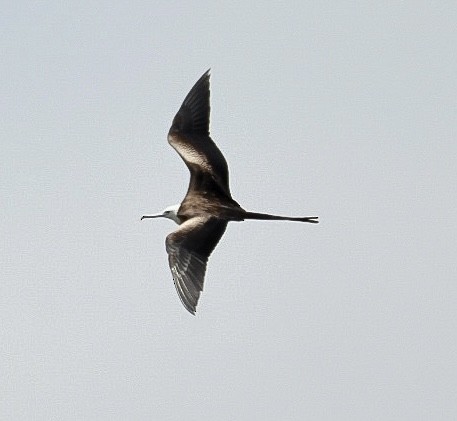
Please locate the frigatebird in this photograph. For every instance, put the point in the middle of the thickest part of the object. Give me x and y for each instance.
(208, 206)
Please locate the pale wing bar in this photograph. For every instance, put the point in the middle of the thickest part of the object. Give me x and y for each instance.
(189, 136)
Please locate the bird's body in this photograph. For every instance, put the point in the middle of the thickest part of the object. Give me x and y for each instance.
(208, 206)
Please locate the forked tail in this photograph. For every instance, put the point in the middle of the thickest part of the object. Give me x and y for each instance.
(265, 216)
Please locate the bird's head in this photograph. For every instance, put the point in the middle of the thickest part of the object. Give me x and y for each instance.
(171, 212)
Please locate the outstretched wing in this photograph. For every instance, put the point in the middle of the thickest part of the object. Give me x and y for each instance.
(189, 248)
(189, 136)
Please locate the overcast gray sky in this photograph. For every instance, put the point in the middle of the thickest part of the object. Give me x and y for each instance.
(346, 110)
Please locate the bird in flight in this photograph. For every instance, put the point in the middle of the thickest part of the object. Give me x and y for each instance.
(208, 206)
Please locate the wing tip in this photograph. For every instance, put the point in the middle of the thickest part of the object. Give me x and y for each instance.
(194, 113)
(190, 307)
(187, 299)
(204, 79)
(206, 75)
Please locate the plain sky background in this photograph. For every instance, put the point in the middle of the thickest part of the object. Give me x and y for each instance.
(345, 110)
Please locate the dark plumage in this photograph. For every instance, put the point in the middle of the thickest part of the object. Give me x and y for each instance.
(208, 206)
